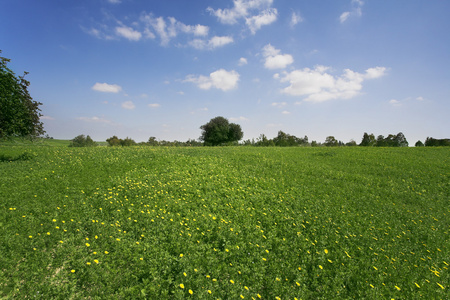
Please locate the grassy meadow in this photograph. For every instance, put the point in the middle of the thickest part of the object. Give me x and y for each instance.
(224, 223)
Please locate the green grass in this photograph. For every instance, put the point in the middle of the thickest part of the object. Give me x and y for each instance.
(224, 223)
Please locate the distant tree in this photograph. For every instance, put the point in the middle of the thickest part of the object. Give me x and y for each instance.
(431, 142)
(193, 143)
(82, 141)
(419, 144)
(381, 142)
(314, 144)
(262, 140)
(351, 143)
(219, 131)
(282, 139)
(113, 141)
(127, 142)
(152, 141)
(330, 141)
(19, 114)
(400, 140)
(368, 140)
(235, 132)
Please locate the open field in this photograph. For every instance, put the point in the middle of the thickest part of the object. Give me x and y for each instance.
(224, 223)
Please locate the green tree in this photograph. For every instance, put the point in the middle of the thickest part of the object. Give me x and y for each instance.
(419, 144)
(331, 141)
(368, 140)
(82, 141)
(113, 141)
(19, 114)
(152, 141)
(127, 142)
(400, 140)
(219, 131)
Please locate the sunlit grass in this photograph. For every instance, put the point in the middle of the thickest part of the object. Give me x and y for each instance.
(228, 223)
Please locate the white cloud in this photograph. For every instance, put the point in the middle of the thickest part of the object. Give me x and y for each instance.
(241, 118)
(242, 61)
(107, 88)
(197, 30)
(46, 118)
(285, 112)
(274, 60)
(279, 104)
(100, 34)
(214, 42)
(114, 1)
(356, 11)
(94, 120)
(376, 72)
(405, 101)
(154, 105)
(344, 16)
(295, 19)
(169, 28)
(219, 41)
(395, 102)
(220, 79)
(128, 33)
(266, 17)
(255, 12)
(318, 85)
(128, 105)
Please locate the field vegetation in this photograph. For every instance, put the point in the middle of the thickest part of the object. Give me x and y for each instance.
(224, 222)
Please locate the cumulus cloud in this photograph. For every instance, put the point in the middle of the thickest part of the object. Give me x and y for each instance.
(317, 85)
(128, 33)
(242, 61)
(275, 60)
(355, 11)
(107, 88)
(169, 28)
(128, 105)
(220, 79)
(256, 13)
(266, 17)
(154, 105)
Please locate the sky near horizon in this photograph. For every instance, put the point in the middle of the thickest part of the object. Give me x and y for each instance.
(138, 69)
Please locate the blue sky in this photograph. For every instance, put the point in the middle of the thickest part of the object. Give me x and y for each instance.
(163, 68)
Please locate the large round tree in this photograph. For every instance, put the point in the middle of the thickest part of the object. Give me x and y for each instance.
(219, 131)
(19, 114)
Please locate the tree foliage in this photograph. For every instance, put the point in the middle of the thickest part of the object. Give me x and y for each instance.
(19, 114)
(392, 140)
(219, 131)
(115, 141)
(431, 142)
(82, 141)
(368, 140)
